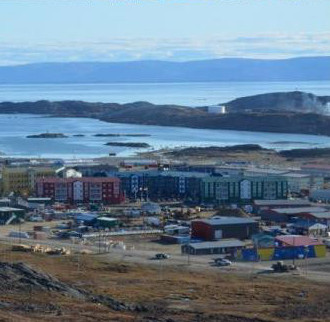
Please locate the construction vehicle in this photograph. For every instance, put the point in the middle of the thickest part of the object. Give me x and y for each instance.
(280, 267)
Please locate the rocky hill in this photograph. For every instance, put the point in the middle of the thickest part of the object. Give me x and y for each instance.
(297, 101)
(294, 112)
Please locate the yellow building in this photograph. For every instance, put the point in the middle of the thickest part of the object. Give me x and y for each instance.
(22, 180)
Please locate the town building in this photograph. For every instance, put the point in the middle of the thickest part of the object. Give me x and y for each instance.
(286, 247)
(220, 189)
(225, 246)
(302, 182)
(317, 217)
(284, 215)
(322, 195)
(162, 184)
(260, 205)
(10, 215)
(81, 190)
(22, 180)
(217, 228)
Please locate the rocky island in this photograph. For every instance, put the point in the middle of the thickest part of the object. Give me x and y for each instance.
(129, 144)
(47, 136)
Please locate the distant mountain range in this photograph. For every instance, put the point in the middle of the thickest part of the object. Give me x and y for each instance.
(217, 70)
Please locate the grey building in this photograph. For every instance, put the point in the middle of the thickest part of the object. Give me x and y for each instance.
(227, 246)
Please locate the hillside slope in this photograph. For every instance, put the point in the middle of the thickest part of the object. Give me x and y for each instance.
(297, 101)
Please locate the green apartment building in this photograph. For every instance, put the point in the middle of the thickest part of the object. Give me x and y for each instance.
(243, 188)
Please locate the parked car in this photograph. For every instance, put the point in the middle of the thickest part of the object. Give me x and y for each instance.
(222, 262)
(162, 256)
(36, 219)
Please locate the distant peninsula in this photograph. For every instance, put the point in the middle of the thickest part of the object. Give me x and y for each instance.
(283, 112)
(47, 136)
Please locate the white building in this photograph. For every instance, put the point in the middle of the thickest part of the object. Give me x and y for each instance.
(216, 109)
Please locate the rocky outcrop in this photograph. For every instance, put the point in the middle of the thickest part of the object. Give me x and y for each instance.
(47, 136)
(129, 144)
(21, 277)
(299, 102)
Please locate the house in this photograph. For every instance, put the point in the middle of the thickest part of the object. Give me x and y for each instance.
(223, 227)
(225, 246)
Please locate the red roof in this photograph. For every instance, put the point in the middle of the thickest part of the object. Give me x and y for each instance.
(297, 240)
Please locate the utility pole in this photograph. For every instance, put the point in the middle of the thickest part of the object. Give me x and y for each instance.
(188, 252)
(99, 241)
(294, 251)
(19, 230)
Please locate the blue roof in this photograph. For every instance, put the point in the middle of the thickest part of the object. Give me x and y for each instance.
(85, 217)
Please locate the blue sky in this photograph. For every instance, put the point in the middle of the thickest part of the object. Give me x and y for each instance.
(116, 30)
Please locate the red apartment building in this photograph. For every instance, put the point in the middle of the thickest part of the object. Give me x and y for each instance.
(81, 190)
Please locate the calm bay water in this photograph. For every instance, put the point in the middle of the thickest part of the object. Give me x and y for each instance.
(190, 94)
(15, 128)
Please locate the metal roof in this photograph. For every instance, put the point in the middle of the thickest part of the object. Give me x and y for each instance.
(226, 220)
(290, 211)
(5, 209)
(218, 244)
(107, 219)
(297, 240)
(323, 215)
(279, 202)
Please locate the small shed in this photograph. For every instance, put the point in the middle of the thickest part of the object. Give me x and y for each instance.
(318, 229)
(107, 222)
(86, 219)
(151, 208)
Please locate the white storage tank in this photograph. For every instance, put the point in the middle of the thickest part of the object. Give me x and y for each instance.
(217, 109)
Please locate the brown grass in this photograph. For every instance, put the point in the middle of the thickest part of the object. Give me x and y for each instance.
(174, 292)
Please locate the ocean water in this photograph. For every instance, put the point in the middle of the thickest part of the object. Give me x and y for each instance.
(189, 94)
(15, 127)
